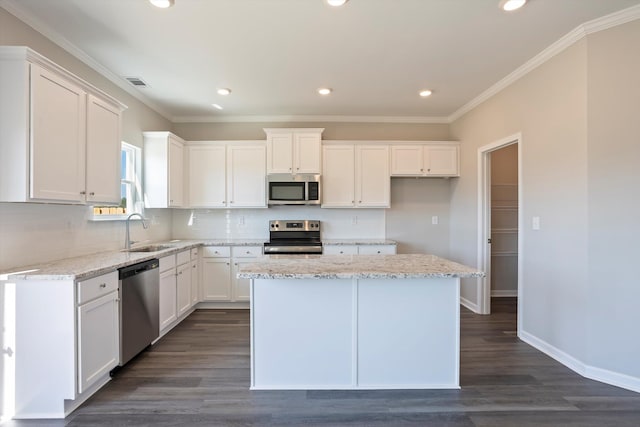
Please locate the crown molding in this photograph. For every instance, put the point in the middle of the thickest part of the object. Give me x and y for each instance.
(309, 119)
(13, 7)
(608, 21)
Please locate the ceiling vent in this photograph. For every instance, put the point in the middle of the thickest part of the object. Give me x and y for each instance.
(137, 82)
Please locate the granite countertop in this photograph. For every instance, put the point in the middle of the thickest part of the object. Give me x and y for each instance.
(345, 242)
(86, 266)
(356, 266)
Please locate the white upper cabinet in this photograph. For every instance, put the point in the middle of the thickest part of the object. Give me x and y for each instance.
(59, 136)
(103, 155)
(246, 177)
(294, 151)
(338, 176)
(355, 176)
(226, 174)
(163, 170)
(207, 176)
(373, 184)
(58, 109)
(434, 160)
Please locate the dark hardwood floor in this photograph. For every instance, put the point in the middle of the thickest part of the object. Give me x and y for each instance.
(198, 375)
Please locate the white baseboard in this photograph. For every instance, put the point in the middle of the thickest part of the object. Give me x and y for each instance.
(504, 293)
(210, 305)
(604, 376)
(471, 306)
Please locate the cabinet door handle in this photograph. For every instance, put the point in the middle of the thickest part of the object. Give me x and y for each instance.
(248, 252)
(231, 201)
(92, 194)
(103, 285)
(378, 251)
(341, 252)
(83, 192)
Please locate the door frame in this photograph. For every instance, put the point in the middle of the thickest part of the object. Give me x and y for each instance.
(484, 222)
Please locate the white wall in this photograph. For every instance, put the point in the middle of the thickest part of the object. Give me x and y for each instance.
(580, 153)
(414, 201)
(548, 106)
(614, 199)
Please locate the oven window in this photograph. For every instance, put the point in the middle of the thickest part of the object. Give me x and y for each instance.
(287, 191)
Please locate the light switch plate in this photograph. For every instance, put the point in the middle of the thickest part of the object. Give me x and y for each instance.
(535, 223)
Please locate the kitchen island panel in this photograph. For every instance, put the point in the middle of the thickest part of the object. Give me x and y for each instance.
(301, 334)
(408, 333)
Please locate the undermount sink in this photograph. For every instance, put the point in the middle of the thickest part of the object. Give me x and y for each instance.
(150, 248)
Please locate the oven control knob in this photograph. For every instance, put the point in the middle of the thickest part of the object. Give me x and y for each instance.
(273, 225)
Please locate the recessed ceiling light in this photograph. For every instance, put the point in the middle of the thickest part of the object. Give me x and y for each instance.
(217, 106)
(324, 91)
(509, 5)
(224, 91)
(425, 93)
(162, 3)
(336, 3)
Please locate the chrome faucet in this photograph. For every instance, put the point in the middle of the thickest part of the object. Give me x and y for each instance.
(127, 237)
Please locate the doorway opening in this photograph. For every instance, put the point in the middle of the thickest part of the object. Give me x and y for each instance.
(500, 222)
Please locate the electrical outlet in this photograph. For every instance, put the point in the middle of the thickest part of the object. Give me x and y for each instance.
(241, 220)
(434, 220)
(354, 220)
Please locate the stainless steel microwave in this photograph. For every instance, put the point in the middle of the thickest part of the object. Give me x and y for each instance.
(286, 189)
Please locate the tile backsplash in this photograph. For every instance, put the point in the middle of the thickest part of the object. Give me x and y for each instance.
(33, 233)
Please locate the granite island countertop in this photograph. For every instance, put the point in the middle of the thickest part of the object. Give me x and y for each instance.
(86, 266)
(415, 266)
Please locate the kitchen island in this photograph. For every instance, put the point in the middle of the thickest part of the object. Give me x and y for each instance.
(355, 322)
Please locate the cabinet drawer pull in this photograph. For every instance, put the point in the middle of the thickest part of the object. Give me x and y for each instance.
(83, 192)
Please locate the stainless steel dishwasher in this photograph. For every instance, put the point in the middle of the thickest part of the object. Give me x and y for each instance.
(139, 308)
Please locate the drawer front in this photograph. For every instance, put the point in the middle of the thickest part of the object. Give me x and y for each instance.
(95, 287)
(167, 263)
(194, 254)
(216, 252)
(340, 250)
(183, 257)
(377, 249)
(246, 251)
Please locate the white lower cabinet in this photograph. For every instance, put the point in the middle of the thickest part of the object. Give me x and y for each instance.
(183, 285)
(220, 266)
(168, 311)
(359, 249)
(175, 289)
(66, 340)
(195, 276)
(98, 329)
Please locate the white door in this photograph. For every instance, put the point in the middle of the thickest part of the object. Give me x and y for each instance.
(103, 151)
(246, 172)
(216, 279)
(168, 312)
(58, 127)
(373, 183)
(175, 176)
(280, 152)
(307, 152)
(98, 339)
(207, 176)
(338, 176)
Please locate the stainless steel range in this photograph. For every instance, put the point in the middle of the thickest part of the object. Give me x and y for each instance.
(293, 237)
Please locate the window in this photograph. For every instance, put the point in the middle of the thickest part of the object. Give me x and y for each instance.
(130, 187)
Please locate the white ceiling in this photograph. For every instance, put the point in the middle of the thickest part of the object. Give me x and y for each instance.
(274, 54)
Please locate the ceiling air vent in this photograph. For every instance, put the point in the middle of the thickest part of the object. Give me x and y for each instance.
(137, 82)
